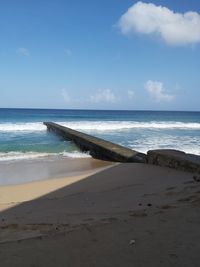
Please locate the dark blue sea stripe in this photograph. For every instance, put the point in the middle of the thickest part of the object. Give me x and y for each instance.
(97, 147)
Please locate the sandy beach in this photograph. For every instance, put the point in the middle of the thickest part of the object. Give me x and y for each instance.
(99, 133)
(125, 215)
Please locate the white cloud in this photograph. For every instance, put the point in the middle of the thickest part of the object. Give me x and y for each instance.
(65, 95)
(158, 92)
(131, 94)
(67, 52)
(23, 51)
(173, 28)
(103, 96)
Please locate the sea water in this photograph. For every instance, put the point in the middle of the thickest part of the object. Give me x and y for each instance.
(23, 135)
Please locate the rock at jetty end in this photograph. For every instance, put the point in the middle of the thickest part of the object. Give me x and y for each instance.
(174, 159)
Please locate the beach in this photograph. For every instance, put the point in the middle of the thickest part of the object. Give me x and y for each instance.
(100, 133)
(128, 214)
(61, 207)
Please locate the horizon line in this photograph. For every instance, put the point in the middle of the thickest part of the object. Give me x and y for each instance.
(85, 109)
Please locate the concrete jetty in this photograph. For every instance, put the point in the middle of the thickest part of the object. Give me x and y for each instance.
(97, 147)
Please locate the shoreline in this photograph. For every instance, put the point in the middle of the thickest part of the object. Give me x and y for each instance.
(14, 194)
(27, 171)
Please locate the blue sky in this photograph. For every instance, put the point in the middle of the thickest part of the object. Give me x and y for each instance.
(108, 54)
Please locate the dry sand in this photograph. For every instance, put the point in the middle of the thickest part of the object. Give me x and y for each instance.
(127, 215)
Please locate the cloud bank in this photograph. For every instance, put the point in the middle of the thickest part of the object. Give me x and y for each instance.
(23, 51)
(131, 94)
(173, 28)
(68, 52)
(65, 95)
(158, 92)
(106, 96)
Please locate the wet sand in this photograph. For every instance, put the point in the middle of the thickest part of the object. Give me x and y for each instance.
(25, 171)
(127, 215)
(51, 180)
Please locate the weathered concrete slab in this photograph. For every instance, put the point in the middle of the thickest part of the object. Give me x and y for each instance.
(174, 159)
(98, 148)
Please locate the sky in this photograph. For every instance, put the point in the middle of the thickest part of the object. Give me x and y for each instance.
(108, 54)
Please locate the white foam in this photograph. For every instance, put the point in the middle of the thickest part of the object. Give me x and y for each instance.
(125, 125)
(22, 127)
(100, 126)
(14, 156)
(76, 154)
(10, 156)
(188, 144)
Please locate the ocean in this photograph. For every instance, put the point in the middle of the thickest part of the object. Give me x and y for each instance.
(23, 135)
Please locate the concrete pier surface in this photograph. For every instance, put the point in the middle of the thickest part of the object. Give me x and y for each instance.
(97, 147)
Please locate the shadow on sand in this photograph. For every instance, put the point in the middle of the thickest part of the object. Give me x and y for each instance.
(112, 218)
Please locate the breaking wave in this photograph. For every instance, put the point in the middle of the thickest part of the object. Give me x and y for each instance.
(14, 156)
(22, 127)
(101, 126)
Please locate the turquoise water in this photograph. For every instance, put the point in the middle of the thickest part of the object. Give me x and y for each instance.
(23, 135)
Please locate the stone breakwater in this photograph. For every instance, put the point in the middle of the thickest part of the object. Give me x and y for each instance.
(105, 150)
